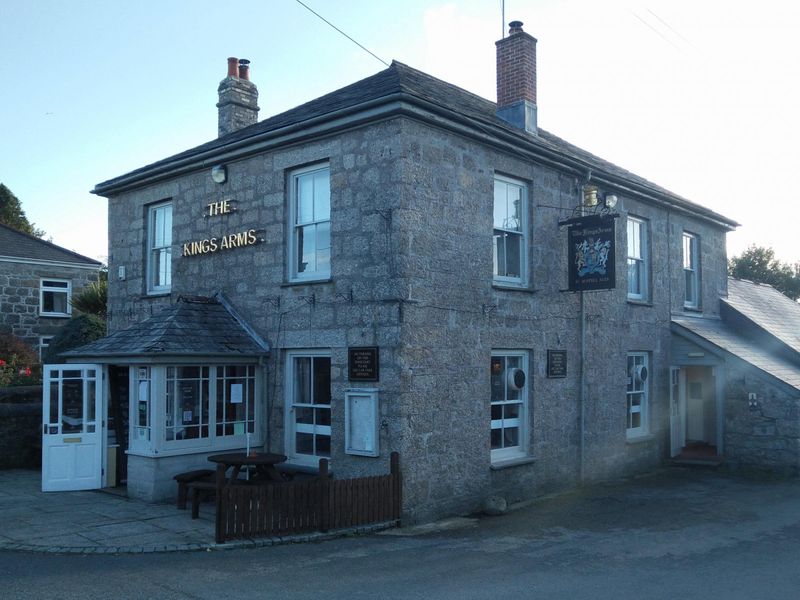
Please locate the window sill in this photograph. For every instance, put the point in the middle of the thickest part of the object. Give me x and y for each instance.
(640, 439)
(510, 287)
(512, 462)
(55, 315)
(306, 282)
(635, 302)
(154, 295)
(693, 309)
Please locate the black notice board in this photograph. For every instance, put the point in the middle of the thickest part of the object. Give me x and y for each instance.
(362, 363)
(556, 363)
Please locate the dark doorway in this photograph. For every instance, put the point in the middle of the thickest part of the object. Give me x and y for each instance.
(118, 380)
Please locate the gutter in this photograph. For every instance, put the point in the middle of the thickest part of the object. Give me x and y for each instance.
(383, 108)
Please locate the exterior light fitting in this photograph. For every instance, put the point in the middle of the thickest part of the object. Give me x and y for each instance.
(590, 195)
(219, 174)
(610, 200)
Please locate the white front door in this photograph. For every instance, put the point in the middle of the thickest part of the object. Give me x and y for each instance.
(677, 413)
(72, 428)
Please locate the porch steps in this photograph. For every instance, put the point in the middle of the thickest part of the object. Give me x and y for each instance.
(710, 461)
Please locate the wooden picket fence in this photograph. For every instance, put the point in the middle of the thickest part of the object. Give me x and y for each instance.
(319, 504)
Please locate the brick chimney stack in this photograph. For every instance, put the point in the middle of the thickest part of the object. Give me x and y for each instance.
(516, 78)
(238, 98)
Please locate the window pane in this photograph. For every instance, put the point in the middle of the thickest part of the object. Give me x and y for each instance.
(322, 196)
(304, 443)
(514, 208)
(302, 380)
(499, 253)
(305, 199)
(690, 297)
(498, 368)
(513, 254)
(634, 277)
(496, 438)
(510, 437)
(322, 380)
(500, 208)
(308, 249)
(304, 415)
(323, 446)
(511, 411)
(72, 406)
(323, 254)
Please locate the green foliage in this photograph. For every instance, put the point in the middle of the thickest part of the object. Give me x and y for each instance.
(12, 215)
(79, 330)
(760, 265)
(18, 362)
(92, 298)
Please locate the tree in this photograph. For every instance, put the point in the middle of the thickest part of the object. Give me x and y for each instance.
(12, 215)
(92, 298)
(78, 331)
(760, 265)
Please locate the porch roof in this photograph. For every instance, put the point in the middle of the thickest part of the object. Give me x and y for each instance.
(191, 327)
(721, 335)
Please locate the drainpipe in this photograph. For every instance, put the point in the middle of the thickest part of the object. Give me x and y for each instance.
(582, 376)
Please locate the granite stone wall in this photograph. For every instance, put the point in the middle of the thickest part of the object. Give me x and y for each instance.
(21, 427)
(763, 433)
(411, 260)
(19, 297)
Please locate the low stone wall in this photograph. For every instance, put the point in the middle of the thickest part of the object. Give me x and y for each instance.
(21, 427)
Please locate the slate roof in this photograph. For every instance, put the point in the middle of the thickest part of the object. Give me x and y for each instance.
(190, 327)
(400, 81)
(767, 308)
(18, 245)
(726, 338)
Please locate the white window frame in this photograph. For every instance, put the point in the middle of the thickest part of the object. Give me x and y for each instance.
(523, 234)
(44, 344)
(44, 288)
(634, 388)
(294, 457)
(149, 437)
(500, 455)
(294, 226)
(638, 253)
(152, 286)
(691, 269)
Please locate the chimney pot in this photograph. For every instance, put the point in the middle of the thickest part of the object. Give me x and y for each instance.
(244, 69)
(233, 67)
(515, 27)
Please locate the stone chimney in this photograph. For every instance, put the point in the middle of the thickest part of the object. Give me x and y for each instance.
(238, 98)
(516, 78)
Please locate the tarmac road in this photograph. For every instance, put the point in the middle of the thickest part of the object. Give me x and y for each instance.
(677, 534)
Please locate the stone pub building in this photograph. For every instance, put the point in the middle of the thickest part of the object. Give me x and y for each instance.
(385, 268)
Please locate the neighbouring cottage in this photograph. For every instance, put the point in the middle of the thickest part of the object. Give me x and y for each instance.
(401, 265)
(37, 281)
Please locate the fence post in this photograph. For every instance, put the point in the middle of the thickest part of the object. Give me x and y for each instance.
(324, 495)
(219, 524)
(394, 469)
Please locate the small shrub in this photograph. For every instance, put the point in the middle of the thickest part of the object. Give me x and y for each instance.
(92, 298)
(78, 331)
(18, 362)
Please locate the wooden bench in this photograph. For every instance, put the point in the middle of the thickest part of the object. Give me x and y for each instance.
(200, 490)
(185, 479)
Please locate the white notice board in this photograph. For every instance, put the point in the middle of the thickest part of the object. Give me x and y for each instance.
(361, 433)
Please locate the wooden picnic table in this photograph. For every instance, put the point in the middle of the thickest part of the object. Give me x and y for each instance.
(263, 463)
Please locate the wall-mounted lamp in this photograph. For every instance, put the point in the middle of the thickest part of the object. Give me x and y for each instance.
(219, 174)
(610, 200)
(590, 196)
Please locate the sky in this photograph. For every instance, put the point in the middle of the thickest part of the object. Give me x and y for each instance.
(698, 96)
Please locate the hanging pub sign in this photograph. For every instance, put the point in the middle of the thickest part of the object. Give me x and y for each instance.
(591, 253)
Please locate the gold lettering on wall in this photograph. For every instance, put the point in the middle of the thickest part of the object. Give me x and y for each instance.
(225, 242)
